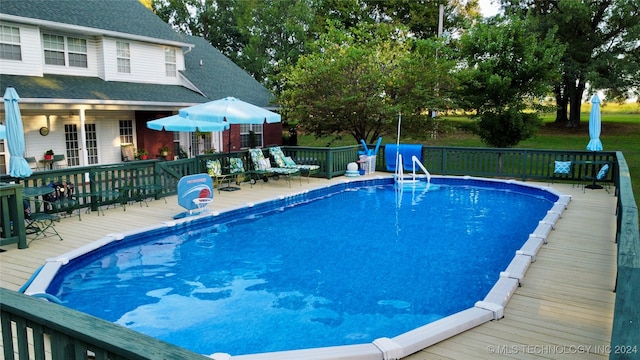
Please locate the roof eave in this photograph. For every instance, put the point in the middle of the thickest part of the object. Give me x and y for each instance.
(91, 31)
(74, 104)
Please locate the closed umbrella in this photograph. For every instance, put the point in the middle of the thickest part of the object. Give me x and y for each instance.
(3, 132)
(178, 123)
(18, 166)
(595, 144)
(594, 125)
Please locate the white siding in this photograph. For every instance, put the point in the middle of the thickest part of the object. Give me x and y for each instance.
(31, 48)
(107, 128)
(147, 63)
(36, 144)
(108, 133)
(100, 58)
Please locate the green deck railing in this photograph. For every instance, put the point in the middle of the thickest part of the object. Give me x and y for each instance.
(11, 213)
(37, 329)
(625, 335)
(158, 179)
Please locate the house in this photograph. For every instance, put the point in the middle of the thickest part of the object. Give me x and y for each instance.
(90, 74)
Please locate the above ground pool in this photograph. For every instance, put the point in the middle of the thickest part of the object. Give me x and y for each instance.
(342, 265)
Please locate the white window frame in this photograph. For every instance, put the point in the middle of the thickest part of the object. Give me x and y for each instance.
(170, 62)
(10, 39)
(53, 46)
(69, 51)
(126, 131)
(123, 56)
(245, 135)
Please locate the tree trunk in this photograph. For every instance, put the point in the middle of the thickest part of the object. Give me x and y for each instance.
(561, 104)
(575, 104)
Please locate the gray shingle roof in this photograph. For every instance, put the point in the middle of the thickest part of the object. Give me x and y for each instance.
(219, 77)
(125, 16)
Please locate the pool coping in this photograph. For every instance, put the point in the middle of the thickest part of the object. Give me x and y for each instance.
(490, 308)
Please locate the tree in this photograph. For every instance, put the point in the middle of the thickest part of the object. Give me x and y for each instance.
(264, 36)
(214, 20)
(504, 69)
(345, 84)
(602, 47)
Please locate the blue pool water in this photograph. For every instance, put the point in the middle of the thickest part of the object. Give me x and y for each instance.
(344, 265)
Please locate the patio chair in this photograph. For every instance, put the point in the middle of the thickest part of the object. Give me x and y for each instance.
(40, 224)
(236, 169)
(59, 161)
(262, 168)
(600, 177)
(287, 162)
(101, 195)
(62, 200)
(561, 170)
(33, 163)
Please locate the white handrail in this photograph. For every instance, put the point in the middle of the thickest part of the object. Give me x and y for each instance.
(415, 161)
(399, 173)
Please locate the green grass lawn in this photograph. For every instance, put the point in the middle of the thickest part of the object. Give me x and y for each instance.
(620, 132)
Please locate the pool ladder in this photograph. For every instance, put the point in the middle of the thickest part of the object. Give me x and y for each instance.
(410, 179)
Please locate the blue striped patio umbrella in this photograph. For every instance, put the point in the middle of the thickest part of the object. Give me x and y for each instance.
(594, 144)
(18, 166)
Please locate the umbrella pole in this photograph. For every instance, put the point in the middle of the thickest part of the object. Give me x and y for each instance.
(229, 188)
(593, 174)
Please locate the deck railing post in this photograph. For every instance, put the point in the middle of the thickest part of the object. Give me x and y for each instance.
(12, 218)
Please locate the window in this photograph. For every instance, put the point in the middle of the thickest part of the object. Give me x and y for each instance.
(91, 143)
(10, 43)
(77, 52)
(126, 132)
(200, 142)
(250, 135)
(177, 149)
(170, 62)
(124, 57)
(53, 49)
(60, 50)
(72, 144)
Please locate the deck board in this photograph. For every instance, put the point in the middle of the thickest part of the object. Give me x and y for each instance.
(566, 298)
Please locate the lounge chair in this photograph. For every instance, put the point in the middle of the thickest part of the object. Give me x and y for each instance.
(262, 168)
(236, 169)
(287, 162)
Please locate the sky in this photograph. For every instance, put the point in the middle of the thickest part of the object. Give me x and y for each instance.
(489, 8)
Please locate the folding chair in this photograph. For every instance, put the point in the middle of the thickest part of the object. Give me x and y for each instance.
(59, 161)
(40, 224)
(33, 163)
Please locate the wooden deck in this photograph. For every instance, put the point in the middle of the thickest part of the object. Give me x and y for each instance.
(563, 310)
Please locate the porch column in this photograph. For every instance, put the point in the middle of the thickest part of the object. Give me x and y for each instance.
(82, 146)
